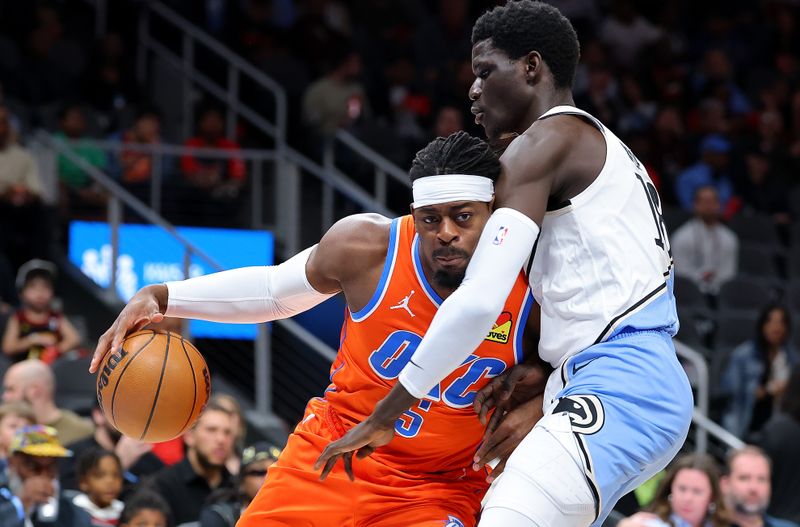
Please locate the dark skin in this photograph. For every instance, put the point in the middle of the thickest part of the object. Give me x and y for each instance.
(550, 161)
(350, 258)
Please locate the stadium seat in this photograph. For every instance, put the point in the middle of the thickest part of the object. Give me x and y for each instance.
(793, 296)
(754, 228)
(733, 328)
(696, 327)
(5, 362)
(674, 217)
(688, 295)
(75, 386)
(746, 293)
(758, 260)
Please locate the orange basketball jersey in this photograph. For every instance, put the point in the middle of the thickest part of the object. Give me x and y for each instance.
(442, 432)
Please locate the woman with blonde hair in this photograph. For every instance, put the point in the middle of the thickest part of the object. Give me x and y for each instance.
(688, 496)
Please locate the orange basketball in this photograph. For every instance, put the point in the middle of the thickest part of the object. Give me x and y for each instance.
(154, 387)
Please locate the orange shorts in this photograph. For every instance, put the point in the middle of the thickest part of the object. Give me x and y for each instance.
(381, 496)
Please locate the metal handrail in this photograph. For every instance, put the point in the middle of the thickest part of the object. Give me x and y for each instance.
(698, 361)
(703, 421)
(380, 162)
(234, 61)
(119, 192)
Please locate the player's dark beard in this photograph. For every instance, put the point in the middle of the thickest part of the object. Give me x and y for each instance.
(205, 462)
(449, 279)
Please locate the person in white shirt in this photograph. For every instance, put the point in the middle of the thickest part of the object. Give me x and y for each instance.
(706, 251)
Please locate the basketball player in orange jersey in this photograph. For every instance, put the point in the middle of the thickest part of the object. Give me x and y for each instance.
(394, 274)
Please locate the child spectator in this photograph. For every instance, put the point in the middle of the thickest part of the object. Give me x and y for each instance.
(13, 416)
(37, 331)
(99, 474)
(146, 508)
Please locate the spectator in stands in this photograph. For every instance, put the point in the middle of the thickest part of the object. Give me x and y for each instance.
(230, 403)
(32, 381)
(100, 476)
(146, 509)
(763, 189)
(77, 189)
(711, 170)
(758, 372)
(190, 482)
(780, 438)
(627, 33)
(211, 185)
(22, 213)
(449, 120)
(34, 488)
(338, 99)
(705, 251)
(136, 456)
(13, 416)
(8, 293)
(746, 487)
(689, 496)
(110, 85)
(225, 507)
(37, 331)
(137, 167)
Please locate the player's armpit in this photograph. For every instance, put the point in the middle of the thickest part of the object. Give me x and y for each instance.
(351, 247)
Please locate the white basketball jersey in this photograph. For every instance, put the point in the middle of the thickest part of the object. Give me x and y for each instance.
(602, 263)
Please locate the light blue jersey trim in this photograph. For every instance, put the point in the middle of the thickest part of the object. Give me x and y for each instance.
(388, 267)
(429, 291)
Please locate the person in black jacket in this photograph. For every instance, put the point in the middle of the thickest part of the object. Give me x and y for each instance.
(225, 507)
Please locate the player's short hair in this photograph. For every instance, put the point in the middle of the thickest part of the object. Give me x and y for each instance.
(458, 153)
(520, 27)
(90, 459)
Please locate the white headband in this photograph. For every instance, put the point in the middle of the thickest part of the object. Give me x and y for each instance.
(444, 188)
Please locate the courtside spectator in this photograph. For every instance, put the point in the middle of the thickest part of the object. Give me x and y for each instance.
(688, 496)
(13, 416)
(100, 476)
(746, 488)
(190, 482)
(33, 465)
(758, 372)
(78, 191)
(146, 508)
(136, 456)
(712, 170)
(22, 213)
(230, 403)
(704, 249)
(36, 330)
(780, 438)
(33, 381)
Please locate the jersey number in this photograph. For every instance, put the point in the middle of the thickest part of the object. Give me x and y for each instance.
(391, 357)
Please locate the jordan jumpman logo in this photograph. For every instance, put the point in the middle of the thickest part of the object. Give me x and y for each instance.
(403, 304)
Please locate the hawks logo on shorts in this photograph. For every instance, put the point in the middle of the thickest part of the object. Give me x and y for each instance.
(585, 411)
(501, 330)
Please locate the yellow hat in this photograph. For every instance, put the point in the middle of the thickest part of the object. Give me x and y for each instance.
(38, 440)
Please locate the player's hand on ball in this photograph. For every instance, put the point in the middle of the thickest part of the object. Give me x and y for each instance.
(514, 387)
(505, 432)
(363, 438)
(145, 307)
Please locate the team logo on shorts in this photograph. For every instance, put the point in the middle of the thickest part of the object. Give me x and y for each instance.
(501, 331)
(585, 411)
(452, 521)
(500, 236)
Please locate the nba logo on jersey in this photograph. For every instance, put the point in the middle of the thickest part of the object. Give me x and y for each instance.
(500, 236)
(452, 521)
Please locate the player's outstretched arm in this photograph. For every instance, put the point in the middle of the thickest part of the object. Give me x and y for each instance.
(256, 294)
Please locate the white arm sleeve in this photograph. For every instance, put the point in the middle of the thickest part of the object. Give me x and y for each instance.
(466, 317)
(248, 294)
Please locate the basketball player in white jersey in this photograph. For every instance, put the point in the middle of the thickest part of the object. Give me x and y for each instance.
(578, 211)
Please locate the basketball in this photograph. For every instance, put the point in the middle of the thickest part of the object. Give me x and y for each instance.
(154, 387)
